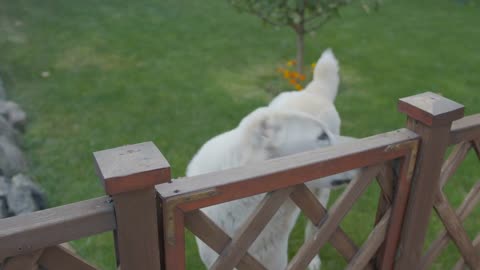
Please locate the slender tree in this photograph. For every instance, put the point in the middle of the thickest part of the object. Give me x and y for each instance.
(303, 16)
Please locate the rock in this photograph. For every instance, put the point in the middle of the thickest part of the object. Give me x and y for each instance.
(4, 188)
(16, 116)
(7, 130)
(25, 196)
(4, 109)
(12, 112)
(3, 208)
(3, 92)
(12, 160)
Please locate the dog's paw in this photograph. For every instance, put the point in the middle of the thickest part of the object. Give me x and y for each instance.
(315, 264)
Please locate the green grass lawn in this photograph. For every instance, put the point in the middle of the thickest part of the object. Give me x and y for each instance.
(179, 72)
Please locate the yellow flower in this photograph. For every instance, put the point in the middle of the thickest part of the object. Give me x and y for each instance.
(293, 81)
(286, 74)
(298, 87)
(291, 63)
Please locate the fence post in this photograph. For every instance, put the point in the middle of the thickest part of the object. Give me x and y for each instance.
(430, 116)
(129, 174)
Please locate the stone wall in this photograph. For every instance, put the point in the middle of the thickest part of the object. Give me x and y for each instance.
(18, 193)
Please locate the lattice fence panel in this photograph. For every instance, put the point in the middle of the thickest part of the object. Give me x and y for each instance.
(233, 251)
(453, 219)
(51, 258)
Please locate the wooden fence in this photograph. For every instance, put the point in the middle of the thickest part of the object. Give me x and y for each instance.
(148, 213)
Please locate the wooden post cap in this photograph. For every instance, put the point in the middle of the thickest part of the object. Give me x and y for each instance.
(131, 167)
(431, 109)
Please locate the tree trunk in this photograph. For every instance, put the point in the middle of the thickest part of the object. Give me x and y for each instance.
(300, 31)
(300, 50)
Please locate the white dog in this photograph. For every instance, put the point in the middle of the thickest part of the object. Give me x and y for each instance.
(294, 122)
(317, 100)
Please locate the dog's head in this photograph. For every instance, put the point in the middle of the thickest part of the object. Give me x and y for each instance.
(281, 133)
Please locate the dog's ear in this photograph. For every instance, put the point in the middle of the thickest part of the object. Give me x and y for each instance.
(271, 129)
(262, 127)
(267, 128)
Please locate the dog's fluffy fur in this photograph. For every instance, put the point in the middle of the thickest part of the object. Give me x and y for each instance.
(317, 99)
(292, 123)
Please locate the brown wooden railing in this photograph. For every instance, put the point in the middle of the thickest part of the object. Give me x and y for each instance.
(282, 179)
(148, 213)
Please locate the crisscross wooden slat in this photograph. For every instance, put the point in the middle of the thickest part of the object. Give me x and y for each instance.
(372, 244)
(455, 229)
(453, 220)
(460, 265)
(60, 258)
(51, 258)
(23, 262)
(315, 211)
(476, 146)
(442, 240)
(454, 160)
(385, 180)
(250, 230)
(210, 233)
(353, 191)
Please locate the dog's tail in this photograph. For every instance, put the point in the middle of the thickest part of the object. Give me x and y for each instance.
(325, 76)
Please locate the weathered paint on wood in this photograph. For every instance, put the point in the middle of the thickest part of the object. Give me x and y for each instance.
(60, 258)
(249, 231)
(26, 233)
(24, 262)
(129, 174)
(137, 230)
(430, 116)
(457, 233)
(131, 167)
(386, 179)
(465, 129)
(454, 160)
(406, 166)
(471, 200)
(205, 229)
(431, 109)
(340, 208)
(288, 171)
(174, 244)
(460, 265)
(371, 245)
(316, 212)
